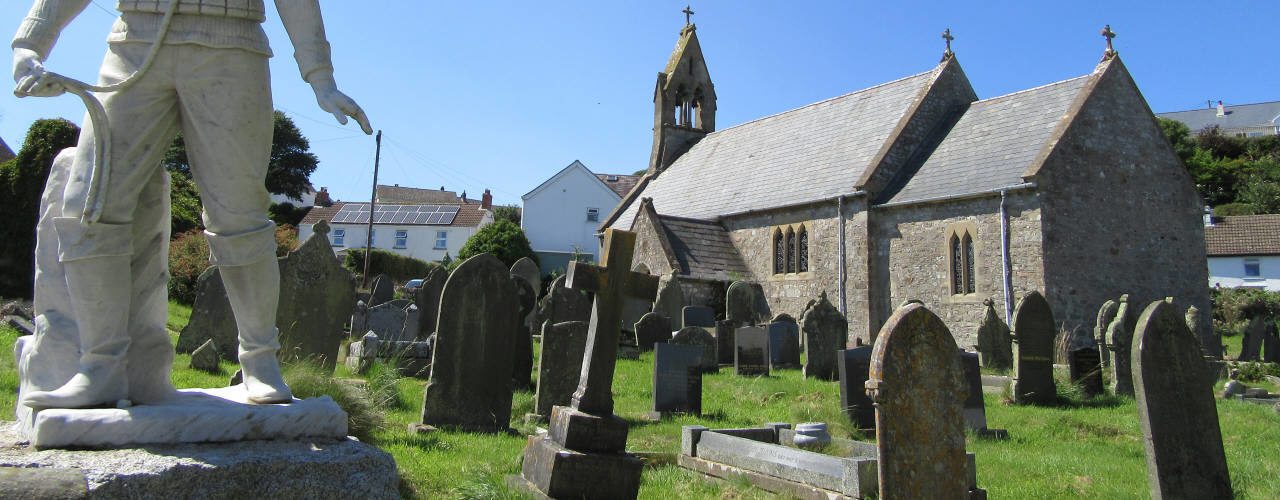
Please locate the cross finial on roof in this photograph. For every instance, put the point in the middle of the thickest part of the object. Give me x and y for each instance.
(1108, 34)
(946, 35)
(688, 15)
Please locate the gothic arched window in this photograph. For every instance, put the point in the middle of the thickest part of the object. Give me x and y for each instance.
(961, 260)
(802, 250)
(969, 282)
(779, 253)
(957, 266)
(791, 253)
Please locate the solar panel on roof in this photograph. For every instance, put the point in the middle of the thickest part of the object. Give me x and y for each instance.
(448, 217)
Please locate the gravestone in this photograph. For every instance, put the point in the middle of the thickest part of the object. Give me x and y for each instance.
(522, 346)
(562, 304)
(634, 307)
(427, 298)
(751, 351)
(854, 364)
(724, 341)
(670, 301)
(975, 410)
(583, 452)
(677, 379)
(1034, 330)
(1119, 341)
(745, 303)
(381, 290)
(652, 328)
(211, 318)
(1271, 345)
(784, 345)
(825, 333)
(526, 268)
(470, 383)
(698, 316)
(359, 318)
(1086, 371)
(1106, 314)
(205, 358)
(1210, 345)
(1183, 440)
(995, 346)
(918, 387)
(697, 336)
(387, 320)
(1254, 333)
(412, 323)
(563, 345)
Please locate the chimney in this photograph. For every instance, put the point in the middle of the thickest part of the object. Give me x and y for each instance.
(1222, 110)
(442, 188)
(463, 197)
(1208, 216)
(322, 198)
(486, 200)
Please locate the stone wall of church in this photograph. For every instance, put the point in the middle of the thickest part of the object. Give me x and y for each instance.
(910, 258)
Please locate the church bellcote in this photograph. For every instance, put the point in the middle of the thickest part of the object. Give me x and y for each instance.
(684, 100)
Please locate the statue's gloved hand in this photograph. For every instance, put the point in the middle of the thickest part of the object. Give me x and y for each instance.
(334, 101)
(32, 79)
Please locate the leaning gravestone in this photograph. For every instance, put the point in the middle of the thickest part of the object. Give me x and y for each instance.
(825, 333)
(724, 341)
(1033, 367)
(522, 346)
(381, 290)
(560, 365)
(670, 301)
(1085, 367)
(854, 364)
(784, 345)
(696, 336)
(918, 388)
(1254, 334)
(745, 303)
(653, 328)
(1119, 340)
(427, 298)
(387, 320)
(562, 304)
(1182, 437)
(994, 344)
(677, 379)
(205, 358)
(751, 351)
(470, 383)
(1106, 314)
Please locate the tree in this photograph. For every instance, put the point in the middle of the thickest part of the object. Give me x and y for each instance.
(508, 213)
(22, 182)
(1179, 136)
(502, 239)
(289, 170)
(184, 200)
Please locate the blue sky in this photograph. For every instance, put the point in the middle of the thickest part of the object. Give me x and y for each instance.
(501, 95)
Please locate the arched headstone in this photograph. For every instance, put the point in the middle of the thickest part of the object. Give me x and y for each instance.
(1034, 330)
(428, 300)
(1106, 314)
(522, 346)
(693, 335)
(1119, 341)
(994, 344)
(651, 329)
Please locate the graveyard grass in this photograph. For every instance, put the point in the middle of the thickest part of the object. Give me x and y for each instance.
(1080, 449)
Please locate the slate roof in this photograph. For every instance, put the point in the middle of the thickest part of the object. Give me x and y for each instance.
(703, 248)
(1239, 116)
(620, 184)
(804, 155)
(469, 215)
(409, 195)
(992, 144)
(6, 154)
(1243, 235)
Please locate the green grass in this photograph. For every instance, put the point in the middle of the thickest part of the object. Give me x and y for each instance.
(1090, 449)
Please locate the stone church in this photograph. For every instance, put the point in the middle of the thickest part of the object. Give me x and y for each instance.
(917, 189)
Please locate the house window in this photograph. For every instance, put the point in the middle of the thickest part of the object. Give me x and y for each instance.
(402, 238)
(1252, 269)
(442, 240)
(961, 260)
(593, 215)
(790, 249)
(779, 253)
(339, 237)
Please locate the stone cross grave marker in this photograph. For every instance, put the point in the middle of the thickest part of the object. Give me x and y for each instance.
(1085, 367)
(697, 336)
(854, 365)
(1033, 367)
(522, 346)
(825, 333)
(427, 298)
(1119, 340)
(670, 301)
(1106, 314)
(677, 379)
(563, 345)
(745, 303)
(751, 351)
(784, 345)
(1183, 440)
(382, 290)
(995, 346)
(918, 388)
(470, 383)
(653, 328)
(1254, 333)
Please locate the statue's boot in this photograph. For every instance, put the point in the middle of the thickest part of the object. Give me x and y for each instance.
(97, 264)
(254, 290)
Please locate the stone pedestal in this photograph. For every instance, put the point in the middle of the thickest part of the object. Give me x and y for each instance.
(582, 456)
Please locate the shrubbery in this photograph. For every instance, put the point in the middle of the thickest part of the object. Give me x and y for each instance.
(398, 267)
(22, 182)
(189, 258)
(1232, 307)
(502, 239)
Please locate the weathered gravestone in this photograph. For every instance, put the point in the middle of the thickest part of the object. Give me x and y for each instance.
(784, 345)
(670, 301)
(562, 304)
(522, 346)
(825, 333)
(677, 379)
(975, 408)
(995, 346)
(470, 383)
(854, 364)
(1119, 341)
(427, 298)
(528, 269)
(1034, 330)
(1271, 345)
(1179, 418)
(652, 328)
(697, 336)
(211, 318)
(918, 388)
(381, 290)
(205, 358)
(633, 308)
(388, 321)
(1210, 344)
(751, 351)
(1085, 367)
(584, 453)
(745, 303)
(560, 365)
(698, 316)
(359, 318)
(1254, 333)
(724, 341)
(1106, 314)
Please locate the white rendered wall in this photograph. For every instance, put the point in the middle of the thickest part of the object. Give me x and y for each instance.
(555, 214)
(1228, 272)
(421, 243)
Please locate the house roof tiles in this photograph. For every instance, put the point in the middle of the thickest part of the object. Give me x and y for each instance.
(1243, 235)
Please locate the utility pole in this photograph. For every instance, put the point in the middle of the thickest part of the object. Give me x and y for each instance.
(373, 197)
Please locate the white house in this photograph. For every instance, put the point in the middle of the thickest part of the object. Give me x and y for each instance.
(1244, 251)
(561, 215)
(425, 231)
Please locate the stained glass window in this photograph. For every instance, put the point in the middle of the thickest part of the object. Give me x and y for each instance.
(957, 266)
(802, 250)
(779, 253)
(968, 264)
(791, 254)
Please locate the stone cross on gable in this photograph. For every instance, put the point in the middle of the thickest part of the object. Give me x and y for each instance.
(1108, 34)
(946, 35)
(688, 15)
(612, 281)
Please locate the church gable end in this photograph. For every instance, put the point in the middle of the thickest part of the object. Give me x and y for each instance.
(684, 101)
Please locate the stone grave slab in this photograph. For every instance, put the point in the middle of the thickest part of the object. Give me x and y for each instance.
(677, 379)
(724, 341)
(751, 351)
(825, 333)
(698, 316)
(562, 304)
(854, 365)
(975, 408)
(1033, 367)
(1086, 371)
(784, 345)
(387, 321)
(698, 336)
(652, 328)
(563, 345)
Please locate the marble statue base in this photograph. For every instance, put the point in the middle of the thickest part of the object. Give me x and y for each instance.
(194, 416)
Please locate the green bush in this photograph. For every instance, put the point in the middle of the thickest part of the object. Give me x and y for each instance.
(502, 239)
(398, 267)
(22, 182)
(189, 258)
(1256, 372)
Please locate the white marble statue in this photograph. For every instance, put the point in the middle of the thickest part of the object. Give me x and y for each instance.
(199, 67)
